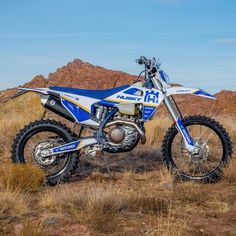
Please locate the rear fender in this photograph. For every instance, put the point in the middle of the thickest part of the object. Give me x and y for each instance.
(184, 90)
(22, 91)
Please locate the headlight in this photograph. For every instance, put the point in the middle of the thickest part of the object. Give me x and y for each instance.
(164, 76)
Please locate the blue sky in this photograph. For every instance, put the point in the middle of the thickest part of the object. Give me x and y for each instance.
(195, 39)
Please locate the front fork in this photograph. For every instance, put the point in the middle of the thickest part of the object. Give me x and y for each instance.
(188, 141)
(176, 116)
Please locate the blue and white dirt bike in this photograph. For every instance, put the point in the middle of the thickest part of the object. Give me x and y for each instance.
(194, 148)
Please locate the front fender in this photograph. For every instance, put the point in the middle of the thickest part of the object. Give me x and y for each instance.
(184, 90)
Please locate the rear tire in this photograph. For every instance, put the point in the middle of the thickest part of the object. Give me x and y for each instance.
(219, 132)
(62, 132)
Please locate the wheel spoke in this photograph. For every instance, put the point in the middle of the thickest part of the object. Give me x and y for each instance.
(207, 160)
(43, 138)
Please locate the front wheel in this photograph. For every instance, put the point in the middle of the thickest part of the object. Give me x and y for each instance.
(215, 150)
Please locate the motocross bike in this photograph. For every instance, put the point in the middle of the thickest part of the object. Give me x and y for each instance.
(194, 148)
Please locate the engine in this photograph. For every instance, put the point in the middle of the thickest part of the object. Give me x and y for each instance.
(121, 137)
(124, 131)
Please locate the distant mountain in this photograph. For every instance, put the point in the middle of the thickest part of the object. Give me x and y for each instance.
(79, 74)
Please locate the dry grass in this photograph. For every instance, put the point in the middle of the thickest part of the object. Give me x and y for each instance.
(101, 206)
(14, 115)
(149, 203)
(229, 172)
(94, 205)
(105, 198)
(20, 177)
(229, 124)
(156, 130)
(149, 206)
(31, 229)
(166, 226)
(13, 203)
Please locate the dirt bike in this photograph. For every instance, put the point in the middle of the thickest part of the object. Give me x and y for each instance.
(194, 148)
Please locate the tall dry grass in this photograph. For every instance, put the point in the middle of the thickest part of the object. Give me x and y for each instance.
(20, 178)
(168, 207)
(18, 184)
(105, 198)
(14, 115)
(13, 203)
(156, 130)
(229, 124)
(99, 206)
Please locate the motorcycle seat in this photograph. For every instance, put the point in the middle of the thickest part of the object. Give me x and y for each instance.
(97, 94)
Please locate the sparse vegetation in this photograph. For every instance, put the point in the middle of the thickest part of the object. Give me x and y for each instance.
(13, 203)
(14, 116)
(31, 229)
(20, 177)
(138, 200)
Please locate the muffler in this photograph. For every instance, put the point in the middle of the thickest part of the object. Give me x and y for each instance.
(54, 104)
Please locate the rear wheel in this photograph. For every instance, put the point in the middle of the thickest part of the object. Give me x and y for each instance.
(41, 135)
(213, 142)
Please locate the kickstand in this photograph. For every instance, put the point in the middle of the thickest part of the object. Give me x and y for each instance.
(107, 166)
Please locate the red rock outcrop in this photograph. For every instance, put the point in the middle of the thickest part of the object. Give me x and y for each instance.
(37, 82)
(79, 74)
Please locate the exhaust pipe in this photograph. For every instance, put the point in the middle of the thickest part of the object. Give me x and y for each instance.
(54, 104)
(129, 123)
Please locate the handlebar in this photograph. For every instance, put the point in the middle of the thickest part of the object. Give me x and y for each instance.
(144, 61)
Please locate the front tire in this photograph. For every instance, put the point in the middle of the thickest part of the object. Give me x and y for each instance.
(216, 150)
(42, 134)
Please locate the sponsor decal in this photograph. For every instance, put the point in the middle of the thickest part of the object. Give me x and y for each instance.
(148, 112)
(185, 132)
(66, 147)
(183, 91)
(135, 99)
(70, 96)
(151, 97)
(52, 102)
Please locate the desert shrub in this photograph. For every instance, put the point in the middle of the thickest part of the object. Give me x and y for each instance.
(20, 177)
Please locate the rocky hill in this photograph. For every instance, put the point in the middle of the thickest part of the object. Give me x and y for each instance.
(79, 74)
